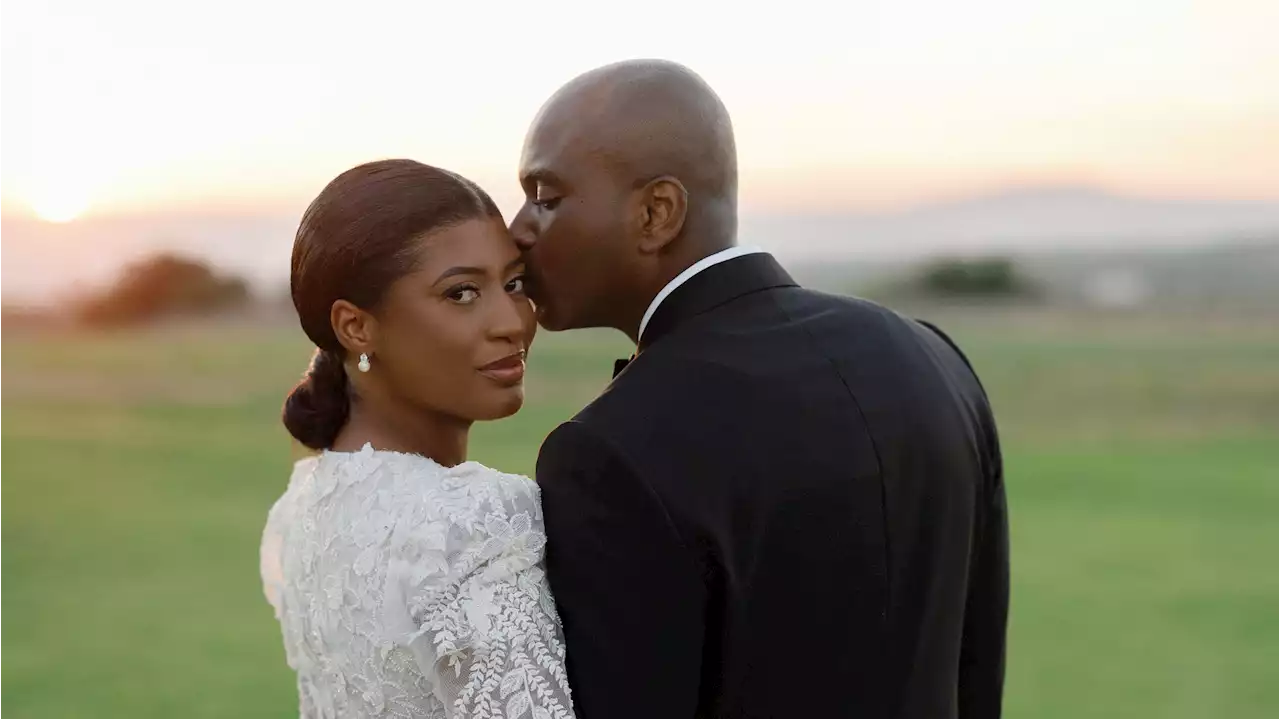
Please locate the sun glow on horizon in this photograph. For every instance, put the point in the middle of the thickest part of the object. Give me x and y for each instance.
(59, 206)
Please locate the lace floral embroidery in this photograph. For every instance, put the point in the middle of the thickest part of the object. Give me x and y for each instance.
(406, 589)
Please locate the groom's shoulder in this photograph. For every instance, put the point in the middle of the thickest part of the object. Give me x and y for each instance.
(723, 358)
(647, 389)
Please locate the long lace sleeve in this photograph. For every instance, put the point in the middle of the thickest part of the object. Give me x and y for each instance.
(270, 551)
(270, 564)
(478, 613)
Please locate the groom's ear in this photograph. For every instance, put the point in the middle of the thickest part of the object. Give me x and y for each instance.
(665, 206)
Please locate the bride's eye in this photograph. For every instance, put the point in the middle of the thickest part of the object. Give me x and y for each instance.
(463, 294)
(516, 285)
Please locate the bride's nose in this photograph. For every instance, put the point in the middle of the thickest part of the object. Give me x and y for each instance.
(505, 322)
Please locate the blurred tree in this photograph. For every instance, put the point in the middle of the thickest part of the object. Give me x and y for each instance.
(161, 286)
(991, 277)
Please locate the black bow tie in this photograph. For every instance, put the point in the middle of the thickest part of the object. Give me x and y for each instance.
(621, 364)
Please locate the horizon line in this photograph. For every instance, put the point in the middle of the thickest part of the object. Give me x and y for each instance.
(240, 207)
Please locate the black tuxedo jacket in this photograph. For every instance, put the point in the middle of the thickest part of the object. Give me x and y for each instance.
(789, 504)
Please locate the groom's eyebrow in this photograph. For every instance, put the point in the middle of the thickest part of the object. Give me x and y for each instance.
(540, 175)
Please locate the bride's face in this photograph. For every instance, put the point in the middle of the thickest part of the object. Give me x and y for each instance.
(451, 335)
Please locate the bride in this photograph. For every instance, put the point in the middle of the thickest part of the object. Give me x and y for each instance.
(408, 581)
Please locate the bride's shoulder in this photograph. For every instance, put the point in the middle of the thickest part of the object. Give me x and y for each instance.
(492, 490)
(401, 477)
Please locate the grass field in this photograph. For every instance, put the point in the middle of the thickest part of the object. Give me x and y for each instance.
(1141, 459)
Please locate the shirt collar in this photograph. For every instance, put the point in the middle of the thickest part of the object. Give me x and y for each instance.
(683, 277)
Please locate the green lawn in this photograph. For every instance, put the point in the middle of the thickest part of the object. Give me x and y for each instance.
(1141, 457)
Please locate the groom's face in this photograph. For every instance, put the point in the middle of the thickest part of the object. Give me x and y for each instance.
(572, 229)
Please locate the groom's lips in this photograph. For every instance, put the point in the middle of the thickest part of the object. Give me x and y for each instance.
(534, 292)
(533, 288)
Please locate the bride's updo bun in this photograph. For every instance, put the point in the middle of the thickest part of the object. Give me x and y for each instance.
(356, 239)
(317, 408)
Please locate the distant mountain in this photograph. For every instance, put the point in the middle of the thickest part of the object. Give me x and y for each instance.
(42, 260)
(1018, 219)
(1233, 277)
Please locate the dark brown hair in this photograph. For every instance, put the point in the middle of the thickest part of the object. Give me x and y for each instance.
(357, 238)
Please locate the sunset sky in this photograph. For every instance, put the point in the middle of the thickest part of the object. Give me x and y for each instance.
(132, 106)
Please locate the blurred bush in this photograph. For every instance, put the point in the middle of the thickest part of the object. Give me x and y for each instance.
(970, 281)
(162, 286)
(991, 277)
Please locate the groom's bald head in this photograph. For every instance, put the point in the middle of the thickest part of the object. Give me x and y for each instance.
(647, 118)
(631, 174)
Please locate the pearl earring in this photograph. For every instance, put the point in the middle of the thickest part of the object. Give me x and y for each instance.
(363, 364)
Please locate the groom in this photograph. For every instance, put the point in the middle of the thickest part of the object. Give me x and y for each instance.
(787, 504)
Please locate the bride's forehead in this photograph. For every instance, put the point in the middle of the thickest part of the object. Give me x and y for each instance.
(476, 243)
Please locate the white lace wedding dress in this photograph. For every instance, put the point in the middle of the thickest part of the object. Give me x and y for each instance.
(407, 589)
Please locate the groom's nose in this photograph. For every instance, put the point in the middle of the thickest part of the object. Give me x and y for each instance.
(522, 231)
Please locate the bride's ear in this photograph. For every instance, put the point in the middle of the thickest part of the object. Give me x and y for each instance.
(354, 328)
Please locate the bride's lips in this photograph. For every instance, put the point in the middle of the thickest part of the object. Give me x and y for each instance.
(507, 371)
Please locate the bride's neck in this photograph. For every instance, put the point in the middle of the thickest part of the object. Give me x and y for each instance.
(398, 427)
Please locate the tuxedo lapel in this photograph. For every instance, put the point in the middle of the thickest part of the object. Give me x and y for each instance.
(621, 364)
(707, 290)
(713, 287)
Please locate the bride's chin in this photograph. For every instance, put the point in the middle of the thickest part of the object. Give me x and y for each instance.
(505, 405)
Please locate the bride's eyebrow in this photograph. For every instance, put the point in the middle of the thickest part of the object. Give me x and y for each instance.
(467, 270)
(460, 270)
